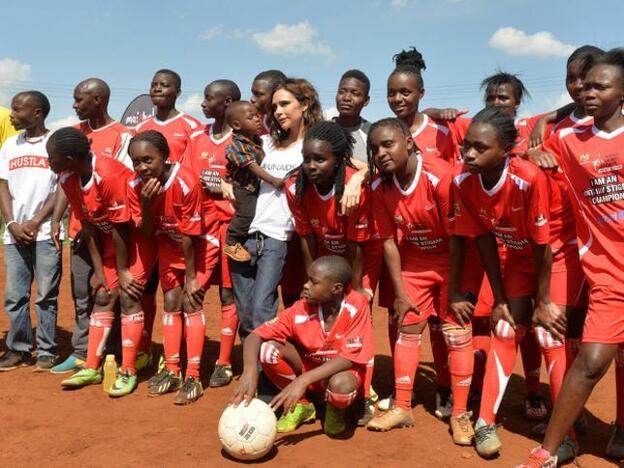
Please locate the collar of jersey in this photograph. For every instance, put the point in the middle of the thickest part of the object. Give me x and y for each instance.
(498, 184)
(607, 135)
(414, 182)
(89, 183)
(322, 320)
(172, 176)
(419, 130)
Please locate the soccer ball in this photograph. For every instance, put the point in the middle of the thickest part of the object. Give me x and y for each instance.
(248, 432)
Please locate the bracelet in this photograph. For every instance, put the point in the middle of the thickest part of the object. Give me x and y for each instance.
(9, 223)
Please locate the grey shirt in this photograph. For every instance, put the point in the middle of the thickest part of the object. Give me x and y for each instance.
(360, 134)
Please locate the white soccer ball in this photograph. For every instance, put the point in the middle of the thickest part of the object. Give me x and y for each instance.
(248, 432)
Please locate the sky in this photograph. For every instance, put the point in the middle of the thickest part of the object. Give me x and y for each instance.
(51, 46)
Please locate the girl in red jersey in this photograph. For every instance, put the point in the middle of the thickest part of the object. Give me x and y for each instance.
(321, 344)
(497, 196)
(122, 259)
(411, 208)
(591, 159)
(167, 201)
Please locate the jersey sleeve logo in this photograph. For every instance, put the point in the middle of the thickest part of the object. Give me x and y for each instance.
(540, 220)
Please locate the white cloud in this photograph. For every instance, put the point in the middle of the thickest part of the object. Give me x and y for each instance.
(64, 122)
(191, 104)
(542, 44)
(11, 72)
(398, 3)
(212, 32)
(330, 113)
(559, 101)
(292, 39)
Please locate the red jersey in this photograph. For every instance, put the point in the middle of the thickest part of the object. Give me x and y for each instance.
(516, 210)
(177, 130)
(302, 324)
(103, 199)
(266, 129)
(593, 164)
(318, 215)
(435, 140)
(205, 155)
(416, 217)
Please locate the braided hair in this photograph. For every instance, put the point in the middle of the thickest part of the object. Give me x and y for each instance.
(410, 62)
(341, 144)
(491, 83)
(387, 122)
(69, 142)
(503, 125)
(154, 138)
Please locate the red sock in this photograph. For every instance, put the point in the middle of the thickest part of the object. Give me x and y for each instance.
(531, 362)
(148, 302)
(461, 365)
(100, 325)
(572, 348)
(368, 378)
(481, 331)
(500, 363)
(195, 326)
(274, 366)
(131, 330)
(555, 356)
(172, 337)
(619, 386)
(406, 359)
(393, 332)
(229, 324)
(440, 353)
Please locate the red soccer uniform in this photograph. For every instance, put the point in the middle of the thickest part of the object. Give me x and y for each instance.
(593, 164)
(516, 210)
(177, 130)
(350, 337)
(178, 210)
(434, 139)
(102, 201)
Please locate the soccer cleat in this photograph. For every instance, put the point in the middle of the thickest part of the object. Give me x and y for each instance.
(189, 392)
(301, 414)
(534, 407)
(164, 382)
(567, 451)
(486, 439)
(334, 423)
(366, 410)
(142, 361)
(83, 378)
(539, 458)
(70, 364)
(44, 363)
(221, 375)
(237, 252)
(444, 404)
(11, 360)
(396, 417)
(461, 428)
(615, 447)
(124, 385)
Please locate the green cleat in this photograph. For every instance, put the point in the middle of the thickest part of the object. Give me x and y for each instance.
(303, 413)
(83, 378)
(334, 423)
(124, 385)
(487, 441)
(142, 361)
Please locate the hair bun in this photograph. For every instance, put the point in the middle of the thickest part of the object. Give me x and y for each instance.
(410, 57)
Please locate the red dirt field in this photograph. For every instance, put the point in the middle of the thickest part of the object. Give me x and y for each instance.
(42, 425)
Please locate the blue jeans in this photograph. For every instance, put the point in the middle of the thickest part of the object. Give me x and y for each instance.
(38, 261)
(255, 283)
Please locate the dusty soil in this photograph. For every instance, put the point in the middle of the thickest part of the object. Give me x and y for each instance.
(44, 425)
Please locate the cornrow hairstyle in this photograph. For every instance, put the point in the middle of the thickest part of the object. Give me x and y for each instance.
(231, 89)
(502, 124)
(357, 75)
(336, 268)
(410, 62)
(306, 94)
(172, 74)
(341, 143)
(614, 57)
(154, 138)
(501, 78)
(69, 141)
(273, 77)
(387, 122)
(42, 100)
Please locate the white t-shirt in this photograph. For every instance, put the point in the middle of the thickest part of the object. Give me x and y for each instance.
(24, 164)
(273, 217)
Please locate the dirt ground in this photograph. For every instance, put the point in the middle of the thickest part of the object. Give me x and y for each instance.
(42, 425)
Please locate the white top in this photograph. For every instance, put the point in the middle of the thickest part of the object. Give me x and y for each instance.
(24, 164)
(273, 217)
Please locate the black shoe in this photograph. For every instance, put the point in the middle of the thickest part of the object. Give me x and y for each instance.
(190, 391)
(44, 363)
(11, 360)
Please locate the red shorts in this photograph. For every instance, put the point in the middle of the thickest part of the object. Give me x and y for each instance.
(604, 322)
(141, 262)
(293, 274)
(222, 272)
(172, 269)
(320, 386)
(373, 258)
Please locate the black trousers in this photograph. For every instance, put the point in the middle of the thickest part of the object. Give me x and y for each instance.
(245, 212)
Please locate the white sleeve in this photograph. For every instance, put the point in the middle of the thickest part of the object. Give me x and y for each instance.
(4, 162)
(122, 155)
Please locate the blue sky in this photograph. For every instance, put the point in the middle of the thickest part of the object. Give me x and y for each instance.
(53, 45)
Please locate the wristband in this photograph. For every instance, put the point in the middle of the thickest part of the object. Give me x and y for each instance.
(9, 223)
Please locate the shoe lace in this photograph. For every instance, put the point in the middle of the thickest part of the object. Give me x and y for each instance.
(464, 422)
(188, 385)
(484, 433)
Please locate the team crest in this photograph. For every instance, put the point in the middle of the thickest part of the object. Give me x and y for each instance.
(584, 157)
(540, 220)
(204, 155)
(314, 222)
(398, 219)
